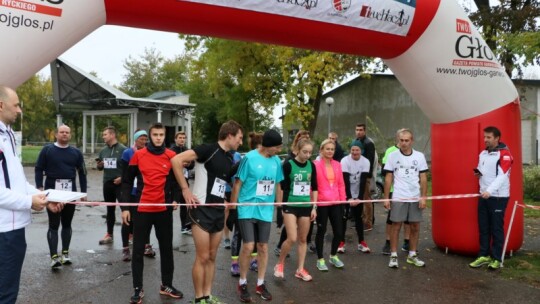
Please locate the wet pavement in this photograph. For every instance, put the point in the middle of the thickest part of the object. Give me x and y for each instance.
(98, 275)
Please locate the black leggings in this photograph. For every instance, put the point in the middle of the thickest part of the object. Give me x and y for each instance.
(335, 214)
(65, 217)
(142, 225)
(111, 193)
(127, 230)
(356, 212)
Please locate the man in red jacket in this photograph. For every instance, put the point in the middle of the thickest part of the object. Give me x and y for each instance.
(152, 165)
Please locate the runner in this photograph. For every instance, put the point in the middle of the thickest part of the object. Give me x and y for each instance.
(109, 162)
(140, 137)
(331, 188)
(254, 142)
(356, 177)
(299, 185)
(407, 170)
(213, 170)
(257, 182)
(60, 163)
(153, 165)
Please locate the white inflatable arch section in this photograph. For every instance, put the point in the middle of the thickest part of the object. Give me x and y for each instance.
(430, 45)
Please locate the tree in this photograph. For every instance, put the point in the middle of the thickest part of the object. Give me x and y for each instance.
(511, 31)
(38, 119)
(255, 77)
(153, 73)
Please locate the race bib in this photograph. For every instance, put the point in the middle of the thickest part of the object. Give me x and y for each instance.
(265, 187)
(63, 185)
(301, 188)
(109, 163)
(218, 189)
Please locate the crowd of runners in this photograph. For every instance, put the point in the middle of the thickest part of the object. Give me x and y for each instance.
(238, 194)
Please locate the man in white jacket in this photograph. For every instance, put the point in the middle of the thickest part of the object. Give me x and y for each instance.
(17, 197)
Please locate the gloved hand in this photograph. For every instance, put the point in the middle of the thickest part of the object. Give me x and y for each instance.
(231, 219)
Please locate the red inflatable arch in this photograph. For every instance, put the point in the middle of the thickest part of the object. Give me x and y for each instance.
(431, 46)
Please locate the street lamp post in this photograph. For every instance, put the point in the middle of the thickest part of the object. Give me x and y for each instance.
(329, 101)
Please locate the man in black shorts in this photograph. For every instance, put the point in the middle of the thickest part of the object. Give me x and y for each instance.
(213, 169)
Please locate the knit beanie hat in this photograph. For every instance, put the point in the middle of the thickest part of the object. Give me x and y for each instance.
(271, 138)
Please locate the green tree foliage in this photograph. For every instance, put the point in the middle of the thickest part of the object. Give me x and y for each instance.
(510, 28)
(153, 73)
(251, 78)
(38, 119)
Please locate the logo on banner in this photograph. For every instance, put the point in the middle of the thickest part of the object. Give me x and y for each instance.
(303, 3)
(472, 51)
(341, 6)
(398, 17)
(35, 8)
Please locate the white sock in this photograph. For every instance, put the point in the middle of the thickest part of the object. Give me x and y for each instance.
(242, 281)
(393, 254)
(412, 253)
(260, 282)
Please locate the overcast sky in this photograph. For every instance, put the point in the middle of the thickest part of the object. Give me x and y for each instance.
(105, 50)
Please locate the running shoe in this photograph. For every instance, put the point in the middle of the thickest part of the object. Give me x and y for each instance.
(321, 265)
(107, 239)
(149, 251)
(278, 271)
(368, 228)
(170, 291)
(277, 251)
(137, 296)
(235, 270)
(363, 247)
(405, 247)
(312, 248)
(341, 247)
(254, 266)
(393, 262)
(244, 293)
(126, 254)
(227, 243)
(263, 292)
(495, 264)
(64, 259)
(334, 260)
(212, 300)
(303, 275)
(184, 231)
(480, 261)
(130, 239)
(55, 262)
(414, 260)
(386, 248)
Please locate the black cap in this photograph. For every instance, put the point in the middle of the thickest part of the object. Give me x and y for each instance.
(271, 138)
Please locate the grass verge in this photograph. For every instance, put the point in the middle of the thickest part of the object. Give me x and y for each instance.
(524, 267)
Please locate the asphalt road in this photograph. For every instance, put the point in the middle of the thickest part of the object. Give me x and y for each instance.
(98, 275)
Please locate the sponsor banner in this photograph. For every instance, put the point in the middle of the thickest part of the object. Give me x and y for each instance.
(450, 71)
(387, 16)
(38, 31)
(32, 7)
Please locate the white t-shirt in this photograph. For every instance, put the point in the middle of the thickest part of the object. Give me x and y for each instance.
(406, 170)
(355, 168)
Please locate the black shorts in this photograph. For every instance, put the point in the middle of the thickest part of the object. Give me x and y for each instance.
(210, 219)
(298, 211)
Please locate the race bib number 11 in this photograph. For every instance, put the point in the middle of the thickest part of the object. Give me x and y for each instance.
(265, 187)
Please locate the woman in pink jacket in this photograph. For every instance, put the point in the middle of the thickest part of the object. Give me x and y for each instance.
(331, 190)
